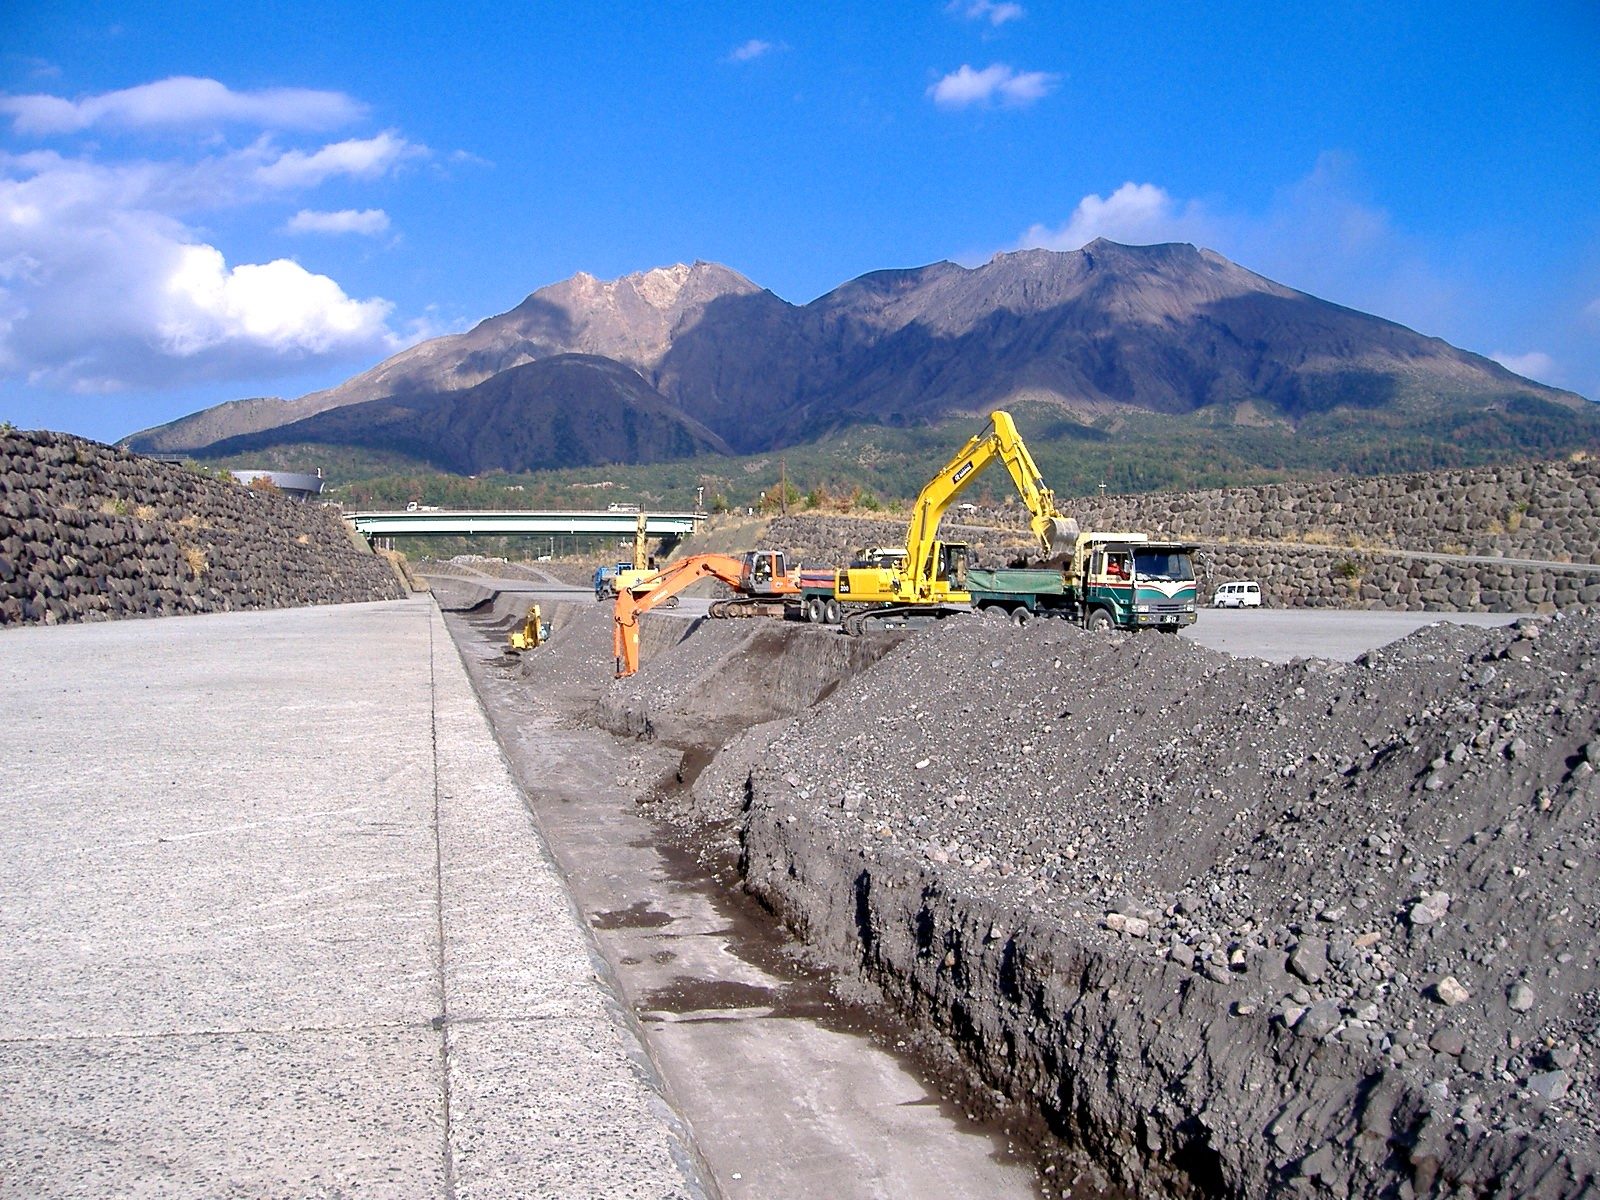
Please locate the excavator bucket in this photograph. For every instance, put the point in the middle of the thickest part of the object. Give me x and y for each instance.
(1061, 533)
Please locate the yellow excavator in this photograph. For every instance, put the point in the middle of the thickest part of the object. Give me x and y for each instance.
(628, 576)
(931, 579)
(534, 633)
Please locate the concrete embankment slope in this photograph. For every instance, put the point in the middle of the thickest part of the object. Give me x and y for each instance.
(276, 922)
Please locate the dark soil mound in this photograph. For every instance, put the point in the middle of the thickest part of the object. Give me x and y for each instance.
(1228, 927)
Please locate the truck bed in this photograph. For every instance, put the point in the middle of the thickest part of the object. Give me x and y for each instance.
(1015, 581)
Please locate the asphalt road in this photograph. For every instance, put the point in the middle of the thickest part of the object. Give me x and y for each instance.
(1281, 634)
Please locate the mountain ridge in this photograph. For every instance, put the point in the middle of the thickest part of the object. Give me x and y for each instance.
(727, 366)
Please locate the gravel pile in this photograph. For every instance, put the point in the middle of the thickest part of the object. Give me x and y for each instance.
(1227, 926)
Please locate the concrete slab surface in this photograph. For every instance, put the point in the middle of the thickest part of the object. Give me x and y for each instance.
(1284, 634)
(275, 921)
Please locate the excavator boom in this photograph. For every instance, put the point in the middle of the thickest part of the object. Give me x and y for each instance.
(654, 590)
(1055, 532)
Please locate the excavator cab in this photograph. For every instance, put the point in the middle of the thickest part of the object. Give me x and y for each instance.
(764, 573)
(953, 565)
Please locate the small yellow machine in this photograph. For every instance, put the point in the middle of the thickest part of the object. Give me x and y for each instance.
(533, 634)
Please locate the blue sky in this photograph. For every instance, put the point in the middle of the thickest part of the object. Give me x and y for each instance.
(203, 202)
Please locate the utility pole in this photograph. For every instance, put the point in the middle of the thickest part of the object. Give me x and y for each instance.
(783, 486)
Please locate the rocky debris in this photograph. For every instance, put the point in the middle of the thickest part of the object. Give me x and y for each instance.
(89, 533)
(1172, 899)
(1449, 992)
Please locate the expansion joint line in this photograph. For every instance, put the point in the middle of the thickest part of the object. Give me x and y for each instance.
(442, 1022)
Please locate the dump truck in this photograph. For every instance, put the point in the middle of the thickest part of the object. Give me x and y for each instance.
(1111, 581)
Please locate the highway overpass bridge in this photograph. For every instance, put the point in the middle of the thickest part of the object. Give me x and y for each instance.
(464, 523)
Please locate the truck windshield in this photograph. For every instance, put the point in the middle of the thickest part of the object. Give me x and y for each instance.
(1161, 565)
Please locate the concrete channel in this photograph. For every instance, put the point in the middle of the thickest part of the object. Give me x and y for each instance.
(790, 1090)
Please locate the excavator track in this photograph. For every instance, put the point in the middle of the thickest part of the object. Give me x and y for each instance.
(898, 616)
(746, 606)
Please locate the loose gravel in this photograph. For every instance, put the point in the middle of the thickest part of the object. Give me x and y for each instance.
(1230, 927)
(1224, 927)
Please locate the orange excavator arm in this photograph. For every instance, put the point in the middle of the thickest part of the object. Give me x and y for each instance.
(633, 602)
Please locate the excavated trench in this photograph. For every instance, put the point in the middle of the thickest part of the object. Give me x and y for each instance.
(1167, 939)
(795, 1083)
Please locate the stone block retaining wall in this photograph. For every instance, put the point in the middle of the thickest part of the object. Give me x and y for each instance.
(1532, 511)
(1343, 543)
(90, 532)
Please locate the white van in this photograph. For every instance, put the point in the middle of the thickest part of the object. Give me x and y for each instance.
(1245, 594)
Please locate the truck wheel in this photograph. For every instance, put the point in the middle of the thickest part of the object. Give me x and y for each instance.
(830, 612)
(1020, 615)
(994, 612)
(814, 610)
(1100, 620)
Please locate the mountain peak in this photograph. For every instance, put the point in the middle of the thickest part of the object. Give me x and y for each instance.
(668, 289)
(665, 287)
(1166, 328)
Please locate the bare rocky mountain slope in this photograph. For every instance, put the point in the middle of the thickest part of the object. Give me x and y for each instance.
(555, 412)
(630, 320)
(1167, 329)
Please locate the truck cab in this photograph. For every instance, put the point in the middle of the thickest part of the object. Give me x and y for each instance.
(1126, 581)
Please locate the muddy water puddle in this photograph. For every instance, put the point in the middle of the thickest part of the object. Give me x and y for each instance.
(790, 1092)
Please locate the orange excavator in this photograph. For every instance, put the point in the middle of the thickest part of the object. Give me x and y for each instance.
(760, 581)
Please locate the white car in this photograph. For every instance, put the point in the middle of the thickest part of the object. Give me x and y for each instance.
(1246, 594)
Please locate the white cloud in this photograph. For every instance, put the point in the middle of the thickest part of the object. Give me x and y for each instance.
(998, 82)
(369, 222)
(359, 158)
(753, 49)
(1318, 235)
(182, 101)
(107, 285)
(987, 10)
(1592, 309)
(1136, 213)
(1535, 364)
(277, 306)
